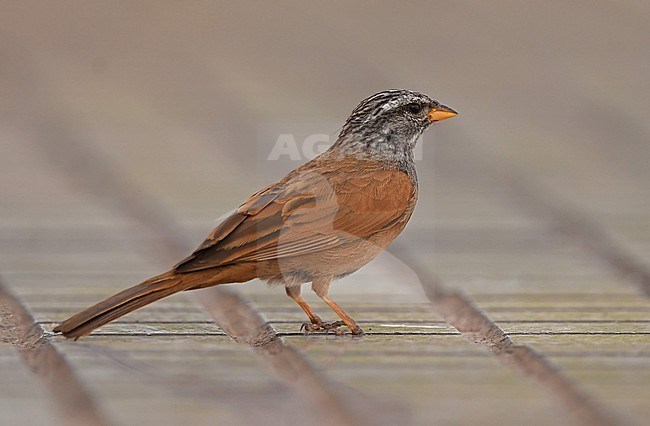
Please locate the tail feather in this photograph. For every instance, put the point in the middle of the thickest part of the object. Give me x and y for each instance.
(121, 304)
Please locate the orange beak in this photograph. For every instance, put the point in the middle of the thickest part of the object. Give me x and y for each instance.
(441, 112)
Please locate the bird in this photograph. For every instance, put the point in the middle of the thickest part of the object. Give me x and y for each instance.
(321, 222)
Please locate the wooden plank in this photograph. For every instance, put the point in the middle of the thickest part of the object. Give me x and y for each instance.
(22, 400)
(195, 147)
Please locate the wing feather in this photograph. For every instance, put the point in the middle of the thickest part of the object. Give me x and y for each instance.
(307, 212)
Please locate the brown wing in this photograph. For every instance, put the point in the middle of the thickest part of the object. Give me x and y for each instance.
(307, 212)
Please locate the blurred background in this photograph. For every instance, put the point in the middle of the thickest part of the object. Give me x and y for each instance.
(559, 89)
(116, 116)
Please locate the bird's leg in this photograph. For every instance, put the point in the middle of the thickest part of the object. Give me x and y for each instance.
(316, 323)
(294, 293)
(321, 288)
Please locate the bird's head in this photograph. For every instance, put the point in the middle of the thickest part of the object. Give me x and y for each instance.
(391, 121)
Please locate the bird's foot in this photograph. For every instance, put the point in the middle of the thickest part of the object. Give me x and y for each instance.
(330, 328)
(327, 327)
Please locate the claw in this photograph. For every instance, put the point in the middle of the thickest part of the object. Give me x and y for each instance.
(334, 331)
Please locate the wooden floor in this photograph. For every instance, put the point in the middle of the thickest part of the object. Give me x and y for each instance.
(519, 293)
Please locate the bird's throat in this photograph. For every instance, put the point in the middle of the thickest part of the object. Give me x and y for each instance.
(393, 150)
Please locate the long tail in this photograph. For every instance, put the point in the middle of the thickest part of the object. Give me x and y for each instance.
(121, 304)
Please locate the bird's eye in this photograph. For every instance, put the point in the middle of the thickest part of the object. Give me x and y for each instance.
(414, 108)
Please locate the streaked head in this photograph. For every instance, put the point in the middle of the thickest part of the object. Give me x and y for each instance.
(393, 117)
